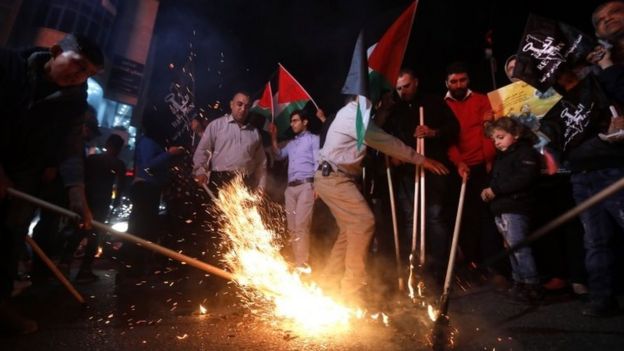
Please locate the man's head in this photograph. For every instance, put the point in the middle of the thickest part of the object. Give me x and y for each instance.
(74, 59)
(510, 65)
(299, 121)
(239, 106)
(407, 84)
(608, 21)
(114, 144)
(457, 80)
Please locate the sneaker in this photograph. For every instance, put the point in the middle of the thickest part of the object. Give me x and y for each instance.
(14, 323)
(86, 276)
(580, 289)
(601, 308)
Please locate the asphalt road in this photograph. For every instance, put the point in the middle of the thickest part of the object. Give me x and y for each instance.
(163, 314)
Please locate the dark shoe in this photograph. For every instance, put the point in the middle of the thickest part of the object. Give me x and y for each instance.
(527, 294)
(601, 309)
(13, 323)
(86, 276)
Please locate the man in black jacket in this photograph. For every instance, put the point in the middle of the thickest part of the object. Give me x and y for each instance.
(440, 130)
(42, 105)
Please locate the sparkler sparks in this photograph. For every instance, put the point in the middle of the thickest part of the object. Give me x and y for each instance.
(269, 286)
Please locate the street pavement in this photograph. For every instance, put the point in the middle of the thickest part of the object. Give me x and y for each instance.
(162, 313)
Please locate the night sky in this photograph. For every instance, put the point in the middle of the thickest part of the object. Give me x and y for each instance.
(239, 43)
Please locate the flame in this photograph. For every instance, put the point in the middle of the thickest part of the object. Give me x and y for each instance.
(270, 287)
(202, 310)
(99, 252)
(433, 313)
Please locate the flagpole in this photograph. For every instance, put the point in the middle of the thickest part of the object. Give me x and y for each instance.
(300, 86)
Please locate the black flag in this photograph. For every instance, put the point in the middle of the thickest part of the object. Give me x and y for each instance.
(581, 114)
(547, 48)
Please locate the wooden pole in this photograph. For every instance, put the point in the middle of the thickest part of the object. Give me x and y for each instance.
(126, 236)
(57, 273)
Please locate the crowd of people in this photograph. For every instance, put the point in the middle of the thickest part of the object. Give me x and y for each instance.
(42, 111)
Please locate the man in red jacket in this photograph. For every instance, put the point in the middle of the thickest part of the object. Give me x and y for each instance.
(473, 155)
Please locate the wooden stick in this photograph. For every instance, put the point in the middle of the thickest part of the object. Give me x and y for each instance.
(57, 273)
(455, 242)
(127, 236)
(395, 227)
(421, 142)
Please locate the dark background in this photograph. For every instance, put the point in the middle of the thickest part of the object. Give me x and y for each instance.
(239, 43)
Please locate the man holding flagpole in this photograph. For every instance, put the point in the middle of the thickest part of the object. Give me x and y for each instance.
(302, 153)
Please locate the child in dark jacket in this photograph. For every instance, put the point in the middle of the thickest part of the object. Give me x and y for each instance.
(515, 173)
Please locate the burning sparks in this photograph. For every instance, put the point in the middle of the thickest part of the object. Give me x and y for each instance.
(202, 310)
(433, 313)
(252, 252)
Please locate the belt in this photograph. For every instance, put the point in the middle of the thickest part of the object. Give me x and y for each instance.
(300, 181)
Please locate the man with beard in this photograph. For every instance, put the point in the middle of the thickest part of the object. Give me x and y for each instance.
(440, 130)
(473, 155)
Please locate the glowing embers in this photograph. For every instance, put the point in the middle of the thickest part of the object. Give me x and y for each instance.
(269, 287)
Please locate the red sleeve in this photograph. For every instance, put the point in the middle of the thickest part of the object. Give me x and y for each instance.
(454, 154)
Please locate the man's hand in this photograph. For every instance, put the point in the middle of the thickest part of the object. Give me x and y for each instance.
(201, 179)
(617, 123)
(434, 166)
(487, 195)
(601, 56)
(78, 204)
(175, 150)
(320, 114)
(463, 170)
(424, 131)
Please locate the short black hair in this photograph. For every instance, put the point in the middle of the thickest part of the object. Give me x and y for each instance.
(408, 70)
(115, 141)
(456, 67)
(84, 46)
(301, 114)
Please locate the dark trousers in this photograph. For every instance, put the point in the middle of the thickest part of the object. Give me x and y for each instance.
(144, 223)
(601, 222)
(438, 213)
(479, 239)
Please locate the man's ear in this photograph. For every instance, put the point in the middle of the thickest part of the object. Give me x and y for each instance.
(56, 50)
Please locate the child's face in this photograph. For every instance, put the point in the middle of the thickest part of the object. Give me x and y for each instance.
(503, 139)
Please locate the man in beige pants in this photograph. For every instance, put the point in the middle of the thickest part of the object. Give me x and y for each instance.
(335, 182)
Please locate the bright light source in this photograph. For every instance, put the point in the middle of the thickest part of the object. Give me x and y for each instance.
(120, 227)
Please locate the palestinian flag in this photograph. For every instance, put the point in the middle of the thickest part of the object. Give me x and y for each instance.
(386, 56)
(290, 97)
(376, 70)
(357, 84)
(547, 49)
(264, 106)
